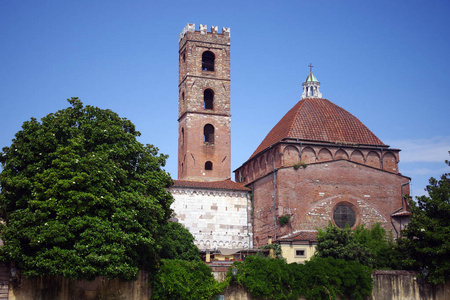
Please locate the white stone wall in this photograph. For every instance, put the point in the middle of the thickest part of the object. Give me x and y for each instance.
(216, 218)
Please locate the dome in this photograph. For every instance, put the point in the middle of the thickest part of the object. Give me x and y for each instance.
(320, 120)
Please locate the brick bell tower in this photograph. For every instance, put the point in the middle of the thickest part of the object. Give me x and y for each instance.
(204, 142)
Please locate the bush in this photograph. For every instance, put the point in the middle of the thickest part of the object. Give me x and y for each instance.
(265, 277)
(283, 220)
(179, 279)
(320, 278)
(325, 278)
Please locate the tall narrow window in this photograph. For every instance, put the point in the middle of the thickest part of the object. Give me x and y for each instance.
(208, 166)
(208, 61)
(182, 136)
(208, 134)
(208, 99)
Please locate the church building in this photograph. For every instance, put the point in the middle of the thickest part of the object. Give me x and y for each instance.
(319, 164)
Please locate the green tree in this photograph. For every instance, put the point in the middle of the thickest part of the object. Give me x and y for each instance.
(178, 243)
(326, 278)
(382, 246)
(319, 278)
(266, 278)
(179, 279)
(81, 197)
(427, 237)
(341, 244)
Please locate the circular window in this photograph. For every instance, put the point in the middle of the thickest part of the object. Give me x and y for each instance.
(344, 215)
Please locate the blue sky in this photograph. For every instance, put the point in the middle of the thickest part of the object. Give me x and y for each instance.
(386, 62)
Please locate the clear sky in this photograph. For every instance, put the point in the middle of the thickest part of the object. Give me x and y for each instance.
(386, 62)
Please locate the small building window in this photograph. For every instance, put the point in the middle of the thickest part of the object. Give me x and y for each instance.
(208, 166)
(208, 61)
(300, 253)
(208, 99)
(208, 134)
(344, 215)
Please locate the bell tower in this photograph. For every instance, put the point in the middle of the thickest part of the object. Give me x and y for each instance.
(204, 141)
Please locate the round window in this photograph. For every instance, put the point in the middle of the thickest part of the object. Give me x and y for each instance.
(344, 215)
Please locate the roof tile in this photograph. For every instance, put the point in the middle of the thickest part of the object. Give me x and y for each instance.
(317, 119)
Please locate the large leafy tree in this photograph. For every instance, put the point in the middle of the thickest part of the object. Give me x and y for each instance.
(81, 197)
(372, 247)
(427, 237)
(341, 244)
(178, 243)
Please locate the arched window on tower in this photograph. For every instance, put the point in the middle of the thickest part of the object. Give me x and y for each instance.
(208, 61)
(182, 136)
(208, 134)
(208, 166)
(208, 99)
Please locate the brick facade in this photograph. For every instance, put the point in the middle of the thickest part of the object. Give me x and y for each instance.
(308, 179)
(194, 81)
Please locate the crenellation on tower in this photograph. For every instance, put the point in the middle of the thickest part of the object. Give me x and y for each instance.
(203, 30)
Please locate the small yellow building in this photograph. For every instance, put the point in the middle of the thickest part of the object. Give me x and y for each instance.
(298, 246)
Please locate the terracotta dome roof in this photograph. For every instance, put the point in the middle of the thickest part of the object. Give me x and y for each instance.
(314, 119)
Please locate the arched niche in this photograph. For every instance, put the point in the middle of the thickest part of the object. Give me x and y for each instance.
(373, 159)
(262, 164)
(325, 155)
(308, 155)
(276, 158)
(357, 156)
(341, 154)
(290, 155)
(389, 162)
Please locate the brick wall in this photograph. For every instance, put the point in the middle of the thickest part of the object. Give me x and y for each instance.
(193, 152)
(310, 195)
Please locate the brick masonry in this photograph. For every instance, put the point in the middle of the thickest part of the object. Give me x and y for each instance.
(311, 193)
(193, 152)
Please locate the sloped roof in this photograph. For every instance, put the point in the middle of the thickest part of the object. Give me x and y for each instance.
(317, 119)
(224, 185)
(301, 235)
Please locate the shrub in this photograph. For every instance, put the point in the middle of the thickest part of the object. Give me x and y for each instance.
(320, 278)
(179, 279)
(283, 220)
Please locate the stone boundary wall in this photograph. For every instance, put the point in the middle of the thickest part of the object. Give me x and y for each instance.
(59, 288)
(388, 285)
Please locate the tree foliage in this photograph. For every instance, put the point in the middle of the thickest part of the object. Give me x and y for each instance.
(320, 278)
(179, 279)
(81, 197)
(427, 237)
(381, 244)
(372, 247)
(341, 244)
(265, 277)
(178, 243)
